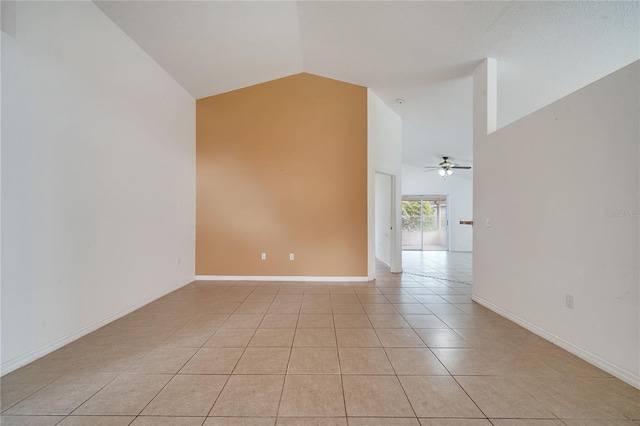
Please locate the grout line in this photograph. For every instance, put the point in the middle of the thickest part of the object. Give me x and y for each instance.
(344, 398)
(235, 365)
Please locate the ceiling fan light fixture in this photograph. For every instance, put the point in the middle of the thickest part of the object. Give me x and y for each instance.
(445, 168)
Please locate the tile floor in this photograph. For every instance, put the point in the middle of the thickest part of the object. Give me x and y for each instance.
(408, 349)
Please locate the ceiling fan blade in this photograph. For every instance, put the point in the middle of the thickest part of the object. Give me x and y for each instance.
(432, 170)
(460, 167)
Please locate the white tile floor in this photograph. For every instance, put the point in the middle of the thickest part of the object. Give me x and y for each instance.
(406, 349)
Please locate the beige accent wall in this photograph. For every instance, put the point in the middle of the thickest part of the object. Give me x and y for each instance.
(281, 167)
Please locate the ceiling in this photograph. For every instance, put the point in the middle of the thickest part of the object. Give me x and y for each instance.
(423, 52)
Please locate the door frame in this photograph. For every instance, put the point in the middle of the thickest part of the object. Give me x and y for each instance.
(395, 239)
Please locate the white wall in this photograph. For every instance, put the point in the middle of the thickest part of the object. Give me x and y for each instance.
(383, 217)
(384, 145)
(459, 188)
(98, 178)
(546, 182)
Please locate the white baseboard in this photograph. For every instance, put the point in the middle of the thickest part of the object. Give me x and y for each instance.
(274, 278)
(22, 360)
(616, 371)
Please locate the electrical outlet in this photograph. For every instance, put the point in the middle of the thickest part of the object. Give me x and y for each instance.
(488, 222)
(569, 301)
(291, 257)
(264, 256)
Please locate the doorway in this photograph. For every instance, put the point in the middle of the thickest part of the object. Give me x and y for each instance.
(383, 217)
(384, 225)
(425, 223)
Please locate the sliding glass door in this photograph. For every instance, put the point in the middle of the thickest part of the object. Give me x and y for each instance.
(424, 223)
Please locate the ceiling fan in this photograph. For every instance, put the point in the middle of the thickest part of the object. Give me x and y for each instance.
(446, 167)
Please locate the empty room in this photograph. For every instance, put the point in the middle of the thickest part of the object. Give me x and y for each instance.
(321, 213)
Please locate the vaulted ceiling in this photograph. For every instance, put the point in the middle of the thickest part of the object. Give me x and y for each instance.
(423, 52)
